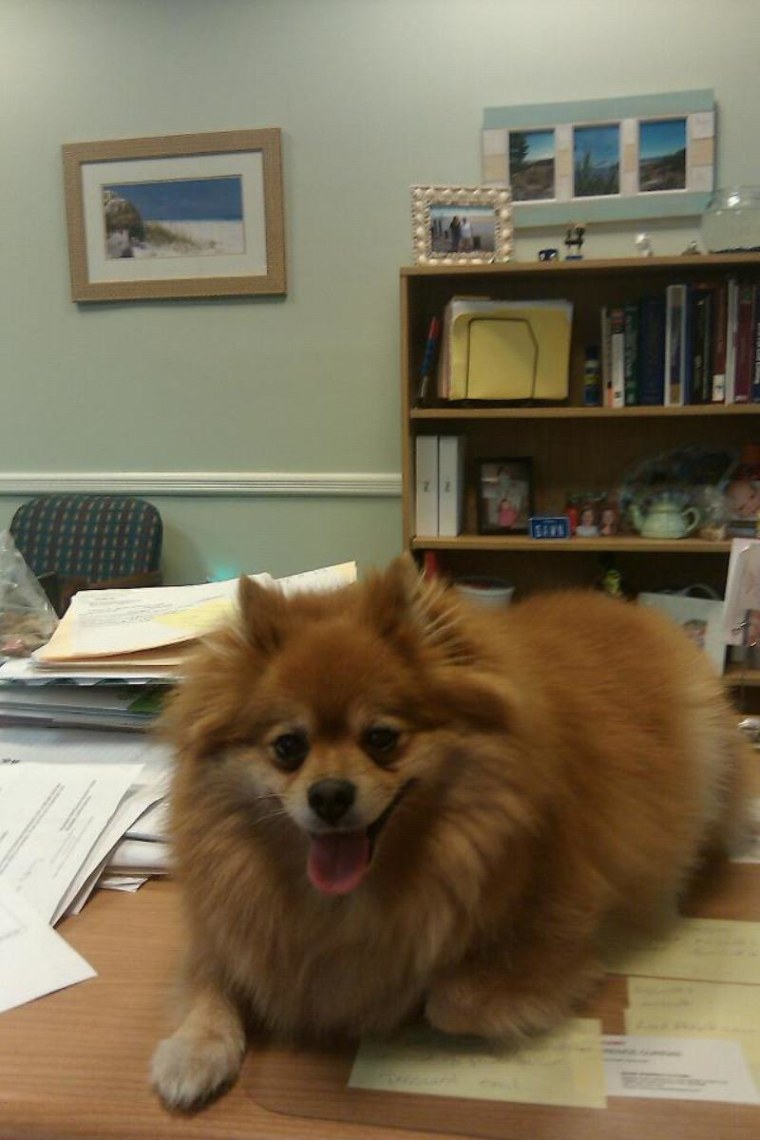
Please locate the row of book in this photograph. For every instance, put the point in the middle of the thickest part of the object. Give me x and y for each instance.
(439, 484)
(694, 344)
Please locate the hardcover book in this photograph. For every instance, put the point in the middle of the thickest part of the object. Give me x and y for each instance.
(676, 349)
(652, 350)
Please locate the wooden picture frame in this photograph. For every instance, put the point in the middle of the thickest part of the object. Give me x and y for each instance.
(505, 495)
(128, 239)
(461, 224)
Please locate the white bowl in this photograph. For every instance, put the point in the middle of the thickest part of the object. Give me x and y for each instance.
(485, 591)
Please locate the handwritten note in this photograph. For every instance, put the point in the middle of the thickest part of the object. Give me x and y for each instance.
(668, 997)
(565, 1068)
(711, 950)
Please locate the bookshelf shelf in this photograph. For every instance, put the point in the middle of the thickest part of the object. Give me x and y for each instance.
(737, 677)
(573, 448)
(631, 544)
(569, 412)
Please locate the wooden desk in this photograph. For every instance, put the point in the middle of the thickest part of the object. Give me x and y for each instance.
(74, 1063)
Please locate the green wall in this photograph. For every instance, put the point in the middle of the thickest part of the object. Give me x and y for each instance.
(371, 96)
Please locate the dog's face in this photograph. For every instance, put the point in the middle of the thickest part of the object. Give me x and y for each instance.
(335, 713)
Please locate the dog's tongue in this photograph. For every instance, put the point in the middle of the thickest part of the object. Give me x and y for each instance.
(338, 863)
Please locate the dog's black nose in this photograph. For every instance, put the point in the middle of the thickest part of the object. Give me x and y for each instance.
(331, 799)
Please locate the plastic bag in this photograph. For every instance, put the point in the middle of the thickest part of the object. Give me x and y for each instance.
(27, 619)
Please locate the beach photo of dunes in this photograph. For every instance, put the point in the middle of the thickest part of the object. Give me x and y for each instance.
(662, 155)
(531, 165)
(596, 160)
(184, 217)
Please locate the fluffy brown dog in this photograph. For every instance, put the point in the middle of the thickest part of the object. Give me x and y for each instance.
(389, 801)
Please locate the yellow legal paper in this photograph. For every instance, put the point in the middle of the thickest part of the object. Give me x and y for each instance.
(565, 1068)
(697, 949)
(669, 998)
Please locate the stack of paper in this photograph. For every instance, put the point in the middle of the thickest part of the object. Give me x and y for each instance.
(59, 701)
(150, 630)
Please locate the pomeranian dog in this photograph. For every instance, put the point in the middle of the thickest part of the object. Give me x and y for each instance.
(391, 802)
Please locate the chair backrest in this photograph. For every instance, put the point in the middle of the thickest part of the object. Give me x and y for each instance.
(95, 536)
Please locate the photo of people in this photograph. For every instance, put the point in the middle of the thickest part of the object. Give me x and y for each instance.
(532, 165)
(662, 155)
(462, 229)
(596, 160)
(505, 496)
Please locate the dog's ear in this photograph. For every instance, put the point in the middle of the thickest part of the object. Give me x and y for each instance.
(390, 596)
(262, 615)
(408, 608)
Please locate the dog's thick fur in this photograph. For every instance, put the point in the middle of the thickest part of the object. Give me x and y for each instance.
(544, 768)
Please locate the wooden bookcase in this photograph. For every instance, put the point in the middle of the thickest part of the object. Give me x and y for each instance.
(572, 447)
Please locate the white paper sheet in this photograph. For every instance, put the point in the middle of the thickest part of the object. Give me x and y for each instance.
(34, 960)
(673, 1068)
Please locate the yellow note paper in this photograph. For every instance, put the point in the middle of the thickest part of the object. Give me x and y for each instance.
(565, 1068)
(668, 997)
(697, 949)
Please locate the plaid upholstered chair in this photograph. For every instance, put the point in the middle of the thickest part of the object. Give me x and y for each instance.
(89, 542)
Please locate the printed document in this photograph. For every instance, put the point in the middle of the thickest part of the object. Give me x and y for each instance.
(58, 791)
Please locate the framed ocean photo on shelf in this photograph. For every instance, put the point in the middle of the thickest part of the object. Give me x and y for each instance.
(504, 495)
(176, 216)
(641, 156)
(453, 224)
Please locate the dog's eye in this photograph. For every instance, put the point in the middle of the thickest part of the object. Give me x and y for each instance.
(380, 741)
(291, 749)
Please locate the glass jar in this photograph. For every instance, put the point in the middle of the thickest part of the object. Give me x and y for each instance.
(731, 221)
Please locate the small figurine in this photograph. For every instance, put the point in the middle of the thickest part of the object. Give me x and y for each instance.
(574, 240)
(691, 249)
(644, 245)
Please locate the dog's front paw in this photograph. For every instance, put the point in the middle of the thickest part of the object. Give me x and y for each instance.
(188, 1071)
(501, 1007)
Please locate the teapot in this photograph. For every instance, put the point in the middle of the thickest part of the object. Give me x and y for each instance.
(664, 518)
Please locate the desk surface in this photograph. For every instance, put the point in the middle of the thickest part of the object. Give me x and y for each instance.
(75, 1063)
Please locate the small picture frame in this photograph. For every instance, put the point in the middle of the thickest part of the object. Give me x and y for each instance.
(700, 618)
(505, 495)
(460, 224)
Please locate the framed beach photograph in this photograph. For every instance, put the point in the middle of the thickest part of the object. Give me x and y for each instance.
(505, 495)
(176, 216)
(453, 224)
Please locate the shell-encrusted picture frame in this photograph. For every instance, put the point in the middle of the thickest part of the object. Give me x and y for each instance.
(461, 224)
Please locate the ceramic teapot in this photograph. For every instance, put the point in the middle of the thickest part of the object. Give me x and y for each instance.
(664, 518)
